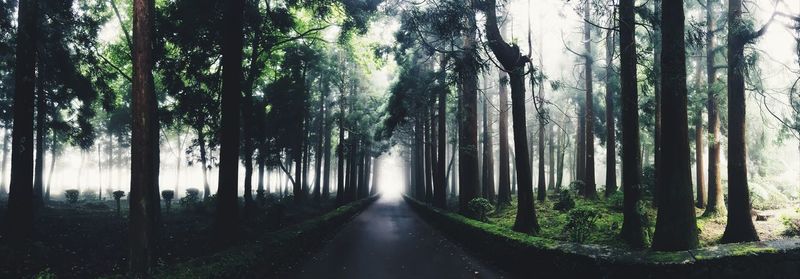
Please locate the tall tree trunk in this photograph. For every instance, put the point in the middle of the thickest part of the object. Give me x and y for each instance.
(512, 60)
(53, 157)
(561, 152)
(41, 131)
(419, 160)
(318, 151)
(260, 192)
(632, 228)
(376, 168)
(469, 187)
(657, 55)
(541, 186)
(590, 190)
(739, 227)
(306, 160)
(504, 183)
(326, 157)
(440, 191)
(340, 179)
(551, 160)
(699, 134)
(20, 206)
(99, 172)
(143, 197)
(579, 156)
(428, 145)
(203, 162)
(611, 141)
(716, 202)
(676, 227)
(228, 182)
(488, 156)
(4, 167)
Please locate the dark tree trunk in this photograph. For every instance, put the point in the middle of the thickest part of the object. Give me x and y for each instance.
(326, 157)
(227, 201)
(676, 227)
(657, 49)
(340, 179)
(4, 167)
(488, 156)
(318, 152)
(53, 157)
(41, 133)
(590, 190)
(512, 60)
(715, 203)
(611, 141)
(739, 227)
(541, 186)
(468, 178)
(261, 165)
(376, 168)
(699, 134)
(562, 146)
(440, 191)
(419, 161)
(428, 145)
(632, 228)
(551, 160)
(143, 197)
(20, 200)
(306, 161)
(580, 148)
(504, 183)
(203, 162)
(297, 186)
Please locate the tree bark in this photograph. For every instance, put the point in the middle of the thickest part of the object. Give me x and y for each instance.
(468, 180)
(227, 201)
(428, 153)
(143, 197)
(739, 227)
(41, 131)
(611, 141)
(699, 134)
(657, 55)
(20, 206)
(716, 201)
(632, 228)
(203, 162)
(53, 157)
(504, 182)
(440, 187)
(326, 157)
(590, 190)
(488, 156)
(676, 227)
(4, 167)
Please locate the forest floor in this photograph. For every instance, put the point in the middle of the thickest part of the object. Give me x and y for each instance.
(89, 239)
(608, 224)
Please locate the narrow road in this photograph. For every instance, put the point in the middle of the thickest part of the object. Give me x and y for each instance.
(388, 240)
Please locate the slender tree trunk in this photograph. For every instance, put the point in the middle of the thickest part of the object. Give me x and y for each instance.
(657, 49)
(20, 206)
(551, 160)
(260, 191)
(676, 227)
(560, 164)
(419, 161)
(590, 190)
(716, 202)
(99, 172)
(318, 152)
(579, 156)
(611, 141)
(428, 145)
(440, 191)
(203, 162)
(4, 167)
(504, 184)
(699, 134)
(227, 193)
(41, 130)
(143, 197)
(50, 172)
(306, 160)
(488, 156)
(632, 228)
(739, 227)
(326, 157)
(541, 186)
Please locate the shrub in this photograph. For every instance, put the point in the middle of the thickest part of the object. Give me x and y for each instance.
(480, 207)
(565, 201)
(72, 195)
(581, 221)
(168, 195)
(191, 199)
(89, 195)
(576, 186)
(616, 201)
(118, 196)
(791, 226)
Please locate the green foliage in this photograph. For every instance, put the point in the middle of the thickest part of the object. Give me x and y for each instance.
(766, 196)
(581, 222)
(576, 186)
(45, 274)
(649, 180)
(480, 207)
(72, 195)
(791, 225)
(565, 202)
(616, 200)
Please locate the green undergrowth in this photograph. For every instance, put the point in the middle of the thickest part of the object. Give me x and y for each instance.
(552, 222)
(260, 257)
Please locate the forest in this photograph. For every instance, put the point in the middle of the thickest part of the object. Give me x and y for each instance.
(399, 138)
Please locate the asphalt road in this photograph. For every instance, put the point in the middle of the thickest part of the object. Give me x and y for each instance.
(388, 240)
